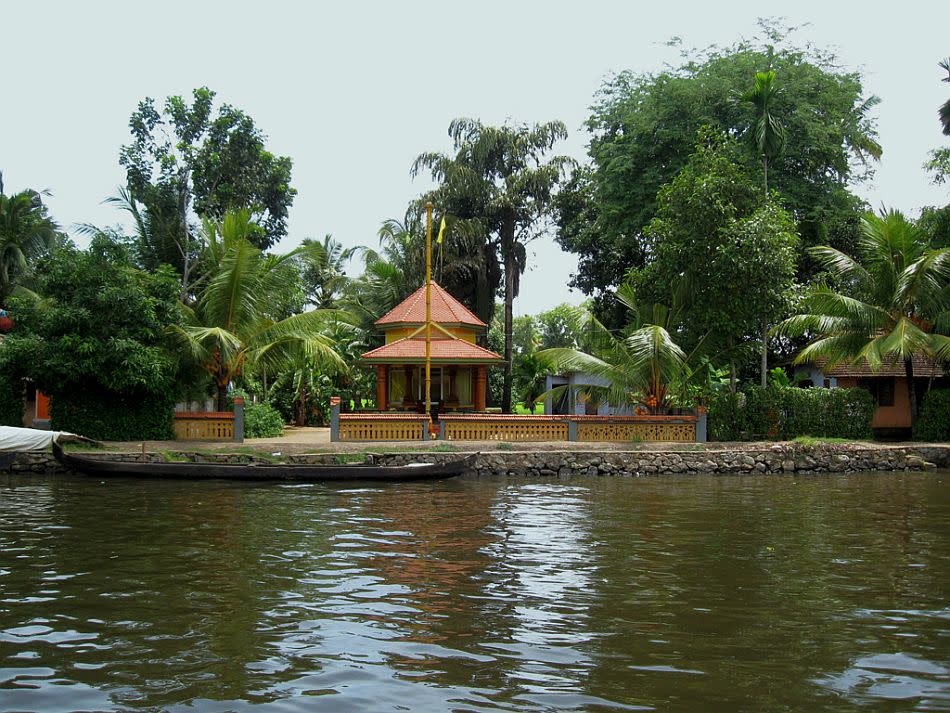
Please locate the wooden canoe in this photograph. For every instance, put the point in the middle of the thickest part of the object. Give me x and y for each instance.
(263, 471)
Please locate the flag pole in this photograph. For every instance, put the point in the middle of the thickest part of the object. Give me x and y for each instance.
(429, 310)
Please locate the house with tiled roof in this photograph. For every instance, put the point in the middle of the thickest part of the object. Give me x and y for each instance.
(459, 366)
(887, 383)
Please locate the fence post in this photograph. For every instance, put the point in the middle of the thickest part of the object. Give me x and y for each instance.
(239, 419)
(701, 426)
(571, 429)
(334, 418)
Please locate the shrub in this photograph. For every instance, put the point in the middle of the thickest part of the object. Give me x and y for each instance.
(781, 412)
(933, 421)
(262, 421)
(11, 399)
(108, 416)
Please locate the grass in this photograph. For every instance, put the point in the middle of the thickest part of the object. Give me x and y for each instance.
(818, 440)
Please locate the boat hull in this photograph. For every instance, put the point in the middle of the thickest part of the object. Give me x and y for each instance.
(263, 471)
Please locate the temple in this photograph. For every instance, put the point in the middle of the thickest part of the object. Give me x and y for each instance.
(459, 367)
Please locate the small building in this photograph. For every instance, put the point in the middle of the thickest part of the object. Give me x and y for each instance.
(572, 400)
(459, 366)
(887, 383)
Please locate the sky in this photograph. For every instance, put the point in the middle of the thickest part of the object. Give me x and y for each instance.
(354, 91)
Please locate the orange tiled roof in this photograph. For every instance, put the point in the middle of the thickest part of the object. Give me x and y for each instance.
(408, 351)
(445, 309)
(922, 367)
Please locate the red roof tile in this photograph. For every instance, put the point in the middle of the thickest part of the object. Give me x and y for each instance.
(407, 351)
(445, 309)
(922, 367)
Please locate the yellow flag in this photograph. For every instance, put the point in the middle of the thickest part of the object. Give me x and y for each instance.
(441, 231)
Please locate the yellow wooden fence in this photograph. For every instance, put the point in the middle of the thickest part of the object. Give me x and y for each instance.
(382, 427)
(213, 426)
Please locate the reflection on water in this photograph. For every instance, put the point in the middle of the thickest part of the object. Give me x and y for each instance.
(694, 593)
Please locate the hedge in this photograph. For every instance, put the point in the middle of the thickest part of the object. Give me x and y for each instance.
(262, 421)
(11, 400)
(114, 417)
(933, 420)
(783, 413)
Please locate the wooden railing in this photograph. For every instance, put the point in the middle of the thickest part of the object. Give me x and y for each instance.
(373, 426)
(666, 429)
(212, 426)
(382, 427)
(504, 428)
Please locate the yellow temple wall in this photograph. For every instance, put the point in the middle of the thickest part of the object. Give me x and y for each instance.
(464, 333)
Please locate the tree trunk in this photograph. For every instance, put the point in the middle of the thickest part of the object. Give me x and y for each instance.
(732, 369)
(508, 249)
(765, 355)
(911, 391)
(300, 408)
(765, 168)
(185, 248)
(222, 401)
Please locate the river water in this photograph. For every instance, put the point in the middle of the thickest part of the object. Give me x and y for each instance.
(598, 594)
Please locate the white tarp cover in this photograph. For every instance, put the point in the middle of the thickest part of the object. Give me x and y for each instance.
(27, 439)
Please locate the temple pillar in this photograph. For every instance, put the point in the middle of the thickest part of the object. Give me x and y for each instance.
(382, 388)
(480, 388)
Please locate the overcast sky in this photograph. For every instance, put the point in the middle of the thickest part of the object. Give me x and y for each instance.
(353, 92)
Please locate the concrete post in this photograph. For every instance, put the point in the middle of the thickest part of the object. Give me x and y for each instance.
(701, 425)
(441, 430)
(239, 419)
(334, 418)
(571, 429)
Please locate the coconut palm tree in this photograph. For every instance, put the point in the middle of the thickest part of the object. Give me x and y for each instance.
(231, 325)
(500, 177)
(324, 273)
(26, 231)
(893, 301)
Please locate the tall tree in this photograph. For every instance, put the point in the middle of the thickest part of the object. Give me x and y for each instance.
(97, 344)
(501, 177)
(767, 137)
(232, 324)
(26, 232)
(893, 301)
(183, 159)
(324, 274)
(736, 250)
(643, 129)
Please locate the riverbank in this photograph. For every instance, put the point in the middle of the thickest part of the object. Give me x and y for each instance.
(554, 460)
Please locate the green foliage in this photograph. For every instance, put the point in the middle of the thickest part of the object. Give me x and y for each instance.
(97, 343)
(643, 129)
(180, 155)
(783, 413)
(108, 416)
(262, 421)
(11, 397)
(933, 422)
(239, 320)
(26, 233)
(735, 248)
(894, 302)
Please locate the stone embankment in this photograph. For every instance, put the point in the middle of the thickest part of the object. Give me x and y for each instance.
(713, 458)
(778, 458)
